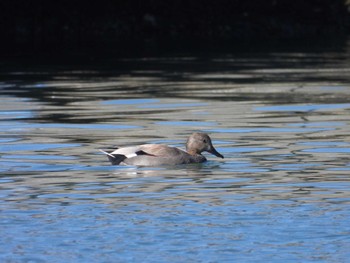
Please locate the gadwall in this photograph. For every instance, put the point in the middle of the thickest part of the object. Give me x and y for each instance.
(160, 154)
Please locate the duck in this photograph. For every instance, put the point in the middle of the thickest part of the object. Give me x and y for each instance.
(161, 154)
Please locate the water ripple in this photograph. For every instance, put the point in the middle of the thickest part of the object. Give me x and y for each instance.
(281, 194)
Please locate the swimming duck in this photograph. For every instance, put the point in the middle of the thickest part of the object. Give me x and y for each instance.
(160, 154)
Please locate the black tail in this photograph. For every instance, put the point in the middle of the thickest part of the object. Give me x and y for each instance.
(115, 159)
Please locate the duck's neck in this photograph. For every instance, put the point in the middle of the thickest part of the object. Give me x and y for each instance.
(192, 152)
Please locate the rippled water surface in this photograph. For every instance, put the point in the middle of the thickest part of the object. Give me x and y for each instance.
(282, 193)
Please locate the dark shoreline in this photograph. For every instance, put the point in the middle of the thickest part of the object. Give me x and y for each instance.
(146, 25)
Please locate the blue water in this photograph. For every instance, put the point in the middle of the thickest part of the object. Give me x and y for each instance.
(280, 195)
(157, 230)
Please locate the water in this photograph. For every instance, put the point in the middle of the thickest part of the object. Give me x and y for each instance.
(280, 195)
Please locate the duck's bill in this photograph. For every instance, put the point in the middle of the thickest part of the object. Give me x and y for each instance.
(215, 152)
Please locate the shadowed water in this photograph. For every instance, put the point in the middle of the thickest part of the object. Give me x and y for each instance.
(280, 195)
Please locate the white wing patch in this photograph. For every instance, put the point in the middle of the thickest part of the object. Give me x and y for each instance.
(128, 152)
(130, 155)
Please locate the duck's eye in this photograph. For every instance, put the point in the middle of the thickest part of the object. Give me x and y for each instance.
(205, 141)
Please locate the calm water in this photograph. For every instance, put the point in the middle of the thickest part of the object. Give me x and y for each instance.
(282, 193)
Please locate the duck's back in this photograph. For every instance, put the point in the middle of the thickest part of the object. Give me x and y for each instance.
(156, 154)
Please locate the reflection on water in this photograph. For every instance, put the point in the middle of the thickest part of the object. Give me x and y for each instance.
(281, 194)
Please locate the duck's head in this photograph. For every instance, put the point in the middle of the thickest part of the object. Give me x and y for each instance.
(200, 142)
